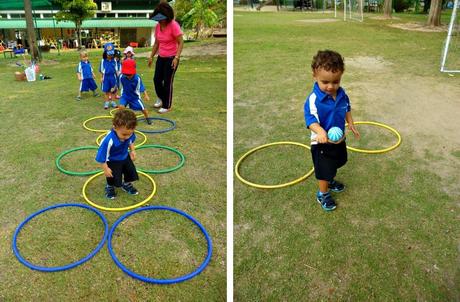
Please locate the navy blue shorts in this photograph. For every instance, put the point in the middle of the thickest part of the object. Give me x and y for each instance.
(327, 158)
(132, 104)
(122, 171)
(110, 83)
(88, 84)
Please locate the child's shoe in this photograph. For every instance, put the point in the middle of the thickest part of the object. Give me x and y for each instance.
(129, 188)
(78, 98)
(157, 103)
(110, 192)
(326, 201)
(106, 105)
(163, 110)
(148, 121)
(336, 186)
(114, 105)
(117, 97)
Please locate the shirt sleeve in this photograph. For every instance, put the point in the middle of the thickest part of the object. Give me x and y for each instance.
(103, 152)
(101, 66)
(310, 110)
(79, 68)
(141, 86)
(132, 139)
(176, 31)
(348, 104)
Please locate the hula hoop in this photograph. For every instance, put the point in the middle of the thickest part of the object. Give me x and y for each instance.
(68, 266)
(181, 157)
(270, 186)
(135, 131)
(122, 208)
(378, 150)
(115, 109)
(95, 118)
(160, 281)
(58, 162)
(173, 125)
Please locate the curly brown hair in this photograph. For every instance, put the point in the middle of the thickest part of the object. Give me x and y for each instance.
(125, 118)
(328, 60)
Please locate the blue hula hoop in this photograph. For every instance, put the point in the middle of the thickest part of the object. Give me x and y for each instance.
(173, 125)
(68, 266)
(152, 280)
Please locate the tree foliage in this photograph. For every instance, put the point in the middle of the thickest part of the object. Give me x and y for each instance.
(76, 11)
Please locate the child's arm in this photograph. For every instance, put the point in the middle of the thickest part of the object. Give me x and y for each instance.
(107, 170)
(321, 134)
(132, 152)
(146, 96)
(79, 76)
(351, 124)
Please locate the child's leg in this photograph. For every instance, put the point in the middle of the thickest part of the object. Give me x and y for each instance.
(106, 100)
(130, 175)
(112, 97)
(146, 115)
(323, 186)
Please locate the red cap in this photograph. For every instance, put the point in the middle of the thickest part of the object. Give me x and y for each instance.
(128, 67)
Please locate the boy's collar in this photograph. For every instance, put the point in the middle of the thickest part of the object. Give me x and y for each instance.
(322, 95)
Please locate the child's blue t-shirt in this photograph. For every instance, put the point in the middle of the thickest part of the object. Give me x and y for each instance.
(321, 108)
(112, 149)
(108, 67)
(131, 89)
(85, 69)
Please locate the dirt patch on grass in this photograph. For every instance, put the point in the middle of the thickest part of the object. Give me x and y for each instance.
(419, 27)
(368, 63)
(384, 18)
(318, 20)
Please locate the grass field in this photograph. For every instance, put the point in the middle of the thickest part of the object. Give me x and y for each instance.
(395, 233)
(42, 119)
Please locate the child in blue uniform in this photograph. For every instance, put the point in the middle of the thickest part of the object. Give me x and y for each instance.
(116, 161)
(109, 71)
(85, 75)
(131, 89)
(328, 106)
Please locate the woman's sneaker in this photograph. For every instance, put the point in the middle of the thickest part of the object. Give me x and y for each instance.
(164, 110)
(157, 103)
(129, 188)
(326, 201)
(110, 192)
(336, 186)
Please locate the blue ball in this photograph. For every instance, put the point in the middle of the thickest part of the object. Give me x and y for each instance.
(335, 134)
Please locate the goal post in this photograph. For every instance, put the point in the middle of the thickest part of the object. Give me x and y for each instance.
(450, 61)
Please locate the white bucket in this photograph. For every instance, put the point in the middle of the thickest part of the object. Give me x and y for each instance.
(30, 74)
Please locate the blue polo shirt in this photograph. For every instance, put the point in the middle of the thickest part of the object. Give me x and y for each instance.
(131, 89)
(112, 149)
(85, 69)
(323, 109)
(108, 67)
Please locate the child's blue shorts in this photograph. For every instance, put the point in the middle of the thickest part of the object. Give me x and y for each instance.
(110, 83)
(133, 104)
(88, 84)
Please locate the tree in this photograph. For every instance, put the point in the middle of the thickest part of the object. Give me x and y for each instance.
(387, 9)
(434, 18)
(76, 11)
(31, 38)
(201, 15)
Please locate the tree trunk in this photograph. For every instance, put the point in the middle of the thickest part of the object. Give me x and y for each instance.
(434, 18)
(78, 26)
(32, 40)
(387, 9)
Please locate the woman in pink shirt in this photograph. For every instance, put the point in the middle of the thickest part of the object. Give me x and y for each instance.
(168, 44)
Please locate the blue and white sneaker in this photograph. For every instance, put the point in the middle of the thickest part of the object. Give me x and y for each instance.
(106, 105)
(336, 186)
(129, 188)
(110, 192)
(114, 105)
(326, 201)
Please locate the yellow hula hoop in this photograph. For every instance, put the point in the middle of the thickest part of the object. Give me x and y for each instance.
(270, 186)
(98, 139)
(378, 150)
(119, 209)
(95, 118)
(115, 109)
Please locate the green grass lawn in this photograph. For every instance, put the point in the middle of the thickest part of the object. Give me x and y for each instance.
(42, 119)
(394, 235)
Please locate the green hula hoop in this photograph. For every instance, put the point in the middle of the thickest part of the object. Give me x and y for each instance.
(167, 170)
(60, 156)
